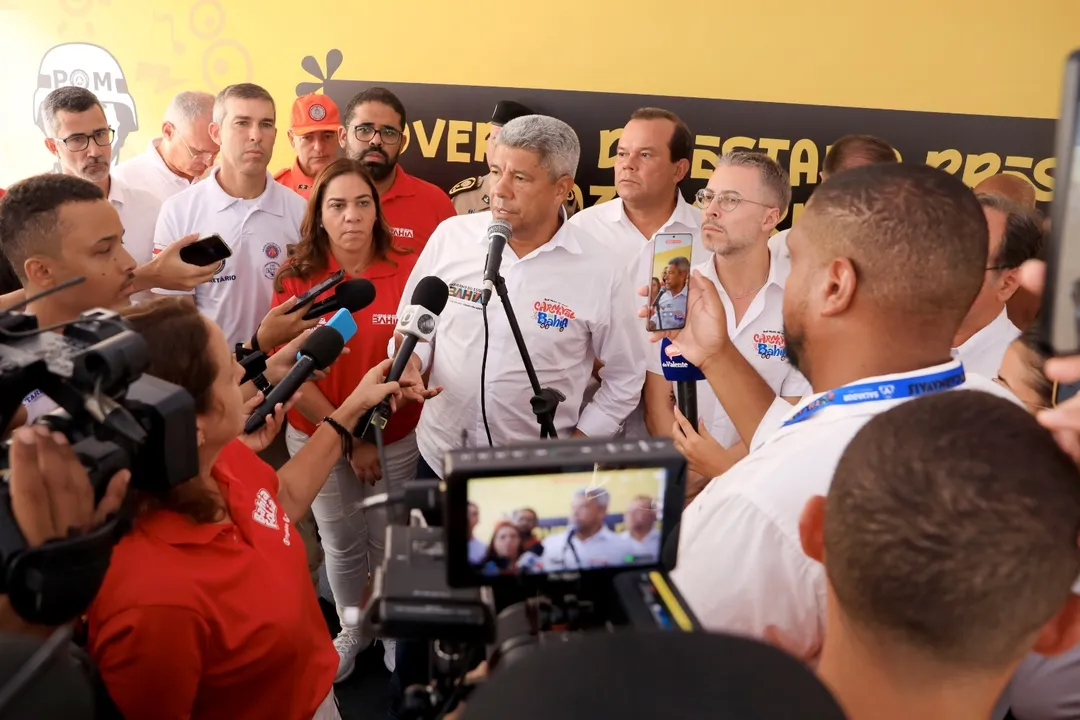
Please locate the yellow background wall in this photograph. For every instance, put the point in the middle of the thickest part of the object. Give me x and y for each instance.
(994, 57)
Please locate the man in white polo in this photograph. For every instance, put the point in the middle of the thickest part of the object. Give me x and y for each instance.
(572, 303)
(240, 201)
(869, 327)
(588, 543)
(182, 153)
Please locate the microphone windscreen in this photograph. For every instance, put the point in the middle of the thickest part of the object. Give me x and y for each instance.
(500, 227)
(323, 345)
(60, 689)
(431, 293)
(355, 294)
(658, 674)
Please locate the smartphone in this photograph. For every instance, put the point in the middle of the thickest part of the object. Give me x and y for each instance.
(305, 299)
(1058, 326)
(669, 283)
(207, 251)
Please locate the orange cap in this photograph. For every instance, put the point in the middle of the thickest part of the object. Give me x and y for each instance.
(314, 112)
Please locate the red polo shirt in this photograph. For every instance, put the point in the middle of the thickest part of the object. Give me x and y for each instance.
(367, 348)
(295, 179)
(414, 208)
(214, 621)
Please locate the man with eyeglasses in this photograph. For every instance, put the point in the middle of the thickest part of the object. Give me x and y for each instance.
(80, 138)
(373, 133)
(181, 155)
(313, 134)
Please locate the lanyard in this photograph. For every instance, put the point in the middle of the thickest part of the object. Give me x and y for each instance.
(898, 389)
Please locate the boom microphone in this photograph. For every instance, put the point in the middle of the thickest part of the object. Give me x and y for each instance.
(319, 351)
(417, 322)
(685, 375)
(352, 295)
(498, 233)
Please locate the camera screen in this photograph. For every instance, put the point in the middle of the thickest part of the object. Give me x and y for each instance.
(539, 524)
(1067, 281)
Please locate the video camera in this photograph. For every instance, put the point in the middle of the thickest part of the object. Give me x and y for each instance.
(114, 417)
(481, 588)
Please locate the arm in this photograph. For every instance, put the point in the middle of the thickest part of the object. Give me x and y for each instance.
(151, 660)
(742, 392)
(659, 408)
(313, 405)
(166, 273)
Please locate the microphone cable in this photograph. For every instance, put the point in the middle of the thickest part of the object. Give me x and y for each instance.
(380, 448)
(483, 378)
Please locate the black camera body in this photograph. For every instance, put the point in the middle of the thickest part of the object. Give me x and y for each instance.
(114, 417)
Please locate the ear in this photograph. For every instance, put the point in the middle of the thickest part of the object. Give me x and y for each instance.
(682, 167)
(200, 432)
(772, 218)
(564, 186)
(167, 129)
(841, 281)
(50, 145)
(811, 528)
(1061, 632)
(1010, 283)
(823, 176)
(39, 272)
(215, 133)
(290, 134)
(342, 136)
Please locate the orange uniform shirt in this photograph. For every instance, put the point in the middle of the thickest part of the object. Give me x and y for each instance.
(295, 179)
(414, 208)
(214, 621)
(367, 348)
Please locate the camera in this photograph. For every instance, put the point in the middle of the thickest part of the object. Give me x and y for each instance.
(114, 417)
(585, 558)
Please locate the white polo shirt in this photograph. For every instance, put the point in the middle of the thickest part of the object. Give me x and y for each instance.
(741, 566)
(258, 231)
(983, 352)
(138, 210)
(148, 171)
(572, 305)
(759, 336)
(602, 549)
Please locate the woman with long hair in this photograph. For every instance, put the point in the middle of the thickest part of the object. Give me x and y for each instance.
(206, 611)
(344, 229)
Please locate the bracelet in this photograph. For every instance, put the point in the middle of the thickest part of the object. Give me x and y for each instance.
(346, 436)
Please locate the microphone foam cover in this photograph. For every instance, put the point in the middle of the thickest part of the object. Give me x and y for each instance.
(500, 227)
(431, 293)
(355, 294)
(323, 345)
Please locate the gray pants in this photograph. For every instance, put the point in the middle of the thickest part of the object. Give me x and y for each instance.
(353, 539)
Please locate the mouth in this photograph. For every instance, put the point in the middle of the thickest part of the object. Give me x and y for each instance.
(378, 156)
(254, 153)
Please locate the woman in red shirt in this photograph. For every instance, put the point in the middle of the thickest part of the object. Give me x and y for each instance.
(344, 228)
(207, 611)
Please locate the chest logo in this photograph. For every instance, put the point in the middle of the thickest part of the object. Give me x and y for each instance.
(550, 313)
(465, 294)
(272, 251)
(265, 512)
(402, 232)
(270, 270)
(770, 344)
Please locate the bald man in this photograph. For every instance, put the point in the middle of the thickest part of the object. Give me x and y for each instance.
(1013, 187)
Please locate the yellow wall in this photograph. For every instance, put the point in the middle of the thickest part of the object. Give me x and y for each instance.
(995, 57)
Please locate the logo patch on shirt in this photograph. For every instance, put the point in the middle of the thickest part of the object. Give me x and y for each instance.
(287, 526)
(550, 313)
(402, 232)
(265, 512)
(219, 268)
(770, 344)
(270, 270)
(303, 186)
(272, 251)
(465, 294)
(383, 319)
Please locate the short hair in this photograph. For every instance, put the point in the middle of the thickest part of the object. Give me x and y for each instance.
(553, 140)
(773, 177)
(951, 527)
(1023, 232)
(680, 262)
(681, 144)
(1036, 353)
(600, 495)
(188, 106)
(240, 91)
(915, 234)
(70, 99)
(1013, 187)
(379, 95)
(30, 215)
(855, 150)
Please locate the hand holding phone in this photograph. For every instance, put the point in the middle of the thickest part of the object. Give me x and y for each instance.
(207, 251)
(315, 291)
(669, 284)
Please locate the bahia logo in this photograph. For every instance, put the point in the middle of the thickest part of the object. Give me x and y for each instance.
(770, 344)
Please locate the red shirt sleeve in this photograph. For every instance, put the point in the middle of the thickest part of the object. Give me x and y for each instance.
(151, 659)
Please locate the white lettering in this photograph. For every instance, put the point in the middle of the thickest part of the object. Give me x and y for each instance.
(402, 232)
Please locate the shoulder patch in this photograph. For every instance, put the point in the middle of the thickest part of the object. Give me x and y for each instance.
(466, 184)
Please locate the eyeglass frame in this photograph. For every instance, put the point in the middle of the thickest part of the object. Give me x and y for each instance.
(112, 136)
(737, 199)
(209, 156)
(378, 131)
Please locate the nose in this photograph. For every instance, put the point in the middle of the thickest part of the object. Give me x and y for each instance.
(501, 185)
(127, 262)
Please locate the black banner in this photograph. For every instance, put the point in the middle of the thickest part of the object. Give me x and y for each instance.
(447, 131)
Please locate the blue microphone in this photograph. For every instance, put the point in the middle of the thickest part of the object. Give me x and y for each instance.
(685, 375)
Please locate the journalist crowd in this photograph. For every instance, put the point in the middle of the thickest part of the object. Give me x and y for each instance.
(882, 481)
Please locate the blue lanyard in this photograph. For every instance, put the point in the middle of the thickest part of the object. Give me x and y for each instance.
(898, 389)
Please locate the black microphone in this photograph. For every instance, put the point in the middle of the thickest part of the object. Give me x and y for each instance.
(352, 294)
(498, 233)
(417, 322)
(319, 351)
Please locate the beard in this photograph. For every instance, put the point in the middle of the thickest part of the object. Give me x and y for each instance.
(380, 170)
(794, 343)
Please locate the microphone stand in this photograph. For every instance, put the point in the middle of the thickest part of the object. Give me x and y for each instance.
(545, 401)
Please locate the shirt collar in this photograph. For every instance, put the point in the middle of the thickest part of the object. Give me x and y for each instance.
(299, 173)
(933, 370)
(683, 214)
(116, 191)
(378, 269)
(153, 151)
(271, 201)
(566, 237)
(403, 186)
(779, 269)
(991, 332)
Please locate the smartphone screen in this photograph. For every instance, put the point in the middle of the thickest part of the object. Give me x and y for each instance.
(1061, 295)
(669, 284)
(316, 291)
(206, 251)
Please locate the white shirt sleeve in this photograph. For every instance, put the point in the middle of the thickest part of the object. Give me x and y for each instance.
(772, 421)
(617, 344)
(420, 270)
(795, 385)
(166, 233)
(743, 575)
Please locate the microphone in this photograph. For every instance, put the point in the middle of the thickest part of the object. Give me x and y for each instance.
(685, 375)
(352, 295)
(319, 351)
(498, 233)
(417, 322)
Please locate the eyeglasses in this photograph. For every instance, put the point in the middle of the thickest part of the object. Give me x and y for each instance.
(728, 202)
(201, 155)
(364, 133)
(81, 141)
